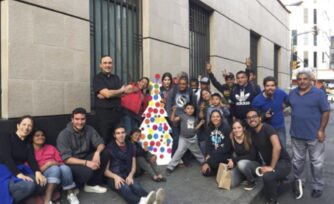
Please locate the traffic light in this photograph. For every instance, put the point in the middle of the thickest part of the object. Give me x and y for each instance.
(297, 64)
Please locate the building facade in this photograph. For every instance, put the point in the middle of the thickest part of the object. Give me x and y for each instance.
(50, 49)
(310, 34)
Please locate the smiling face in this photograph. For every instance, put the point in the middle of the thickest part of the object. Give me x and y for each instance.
(237, 129)
(183, 85)
(206, 95)
(106, 64)
(38, 138)
(119, 135)
(166, 82)
(189, 110)
(269, 88)
(24, 128)
(143, 84)
(216, 118)
(253, 119)
(135, 137)
(78, 121)
(241, 79)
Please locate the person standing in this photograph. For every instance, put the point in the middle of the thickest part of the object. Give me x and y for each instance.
(108, 105)
(82, 149)
(309, 118)
(271, 103)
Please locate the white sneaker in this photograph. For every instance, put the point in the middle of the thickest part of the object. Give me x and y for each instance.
(72, 198)
(149, 199)
(95, 189)
(160, 196)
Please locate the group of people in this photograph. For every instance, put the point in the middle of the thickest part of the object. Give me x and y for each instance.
(239, 125)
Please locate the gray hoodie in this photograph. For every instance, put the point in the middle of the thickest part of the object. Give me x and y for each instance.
(78, 144)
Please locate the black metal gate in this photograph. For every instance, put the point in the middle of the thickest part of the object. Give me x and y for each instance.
(199, 39)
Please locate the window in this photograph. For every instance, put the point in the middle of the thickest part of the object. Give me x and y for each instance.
(276, 56)
(254, 43)
(315, 16)
(199, 41)
(115, 31)
(315, 55)
(294, 37)
(305, 58)
(305, 15)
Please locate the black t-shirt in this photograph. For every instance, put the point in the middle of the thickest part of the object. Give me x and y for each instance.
(263, 146)
(108, 81)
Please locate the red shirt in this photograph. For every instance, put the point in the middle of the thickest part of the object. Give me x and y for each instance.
(47, 153)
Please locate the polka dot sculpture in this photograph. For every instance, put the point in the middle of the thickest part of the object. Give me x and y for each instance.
(155, 130)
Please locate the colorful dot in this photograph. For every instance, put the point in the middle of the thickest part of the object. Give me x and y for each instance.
(156, 91)
(160, 128)
(155, 127)
(150, 148)
(152, 119)
(148, 115)
(150, 110)
(165, 128)
(142, 136)
(156, 97)
(154, 149)
(156, 136)
(161, 156)
(169, 150)
(157, 144)
(147, 121)
(162, 149)
(149, 136)
(149, 98)
(162, 111)
(169, 141)
(155, 110)
(157, 104)
(152, 143)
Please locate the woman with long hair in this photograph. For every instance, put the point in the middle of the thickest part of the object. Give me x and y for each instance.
(18, 180)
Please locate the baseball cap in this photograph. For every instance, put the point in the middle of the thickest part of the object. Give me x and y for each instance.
(205, 80)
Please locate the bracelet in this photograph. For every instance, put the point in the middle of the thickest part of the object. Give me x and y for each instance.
(86, 163)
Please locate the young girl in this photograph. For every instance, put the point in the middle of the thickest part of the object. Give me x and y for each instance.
(145, 160)
(188, 137)
(244, 156)
(53, 168)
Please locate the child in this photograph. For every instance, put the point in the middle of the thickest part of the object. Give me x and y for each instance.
(145, 160)
(53, 168)
(216, 104)
(188, 138)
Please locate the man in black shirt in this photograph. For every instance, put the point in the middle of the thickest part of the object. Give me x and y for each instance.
(275, 160)
(107, 90)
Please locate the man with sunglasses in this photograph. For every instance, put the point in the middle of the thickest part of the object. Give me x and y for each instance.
(309, 118)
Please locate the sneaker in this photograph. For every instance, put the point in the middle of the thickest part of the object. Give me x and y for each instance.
(72, 198)
(298, 189)
(149, 199)
(250, 185)
(168, 172)
(316, 193)
(160, 196)
(95, 189)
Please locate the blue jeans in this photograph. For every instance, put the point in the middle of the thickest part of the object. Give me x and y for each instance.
(247, 168)
(60, 174)
(131, 194)
(21, 189)
(130, 123)
(281, 132)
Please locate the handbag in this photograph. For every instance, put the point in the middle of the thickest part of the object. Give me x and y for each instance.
(224, 177)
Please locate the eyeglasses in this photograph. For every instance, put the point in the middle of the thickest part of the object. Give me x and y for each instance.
(252, 117)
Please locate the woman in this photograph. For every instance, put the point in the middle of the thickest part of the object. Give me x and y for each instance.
(17, 180)
(134, 104)
(166, 86)
(218, 145)
(244, 156)
(205, 98)
(53, 168)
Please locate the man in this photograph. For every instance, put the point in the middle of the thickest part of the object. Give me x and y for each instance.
(271, 103)
(179, 97)
(82, 149)
(309, 118)
(242, 96)
(121, 169)
(251, 74)
(108, 106)
(276, 164)
(204, 83)
(224, 89)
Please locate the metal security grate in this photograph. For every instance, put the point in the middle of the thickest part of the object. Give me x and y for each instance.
(199, 39)
(116, 31)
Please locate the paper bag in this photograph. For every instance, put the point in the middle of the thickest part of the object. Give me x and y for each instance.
(224, 177)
